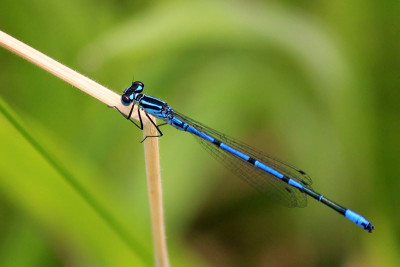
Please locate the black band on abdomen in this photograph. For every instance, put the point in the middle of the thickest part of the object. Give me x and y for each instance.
(217, 143)
(252, 161)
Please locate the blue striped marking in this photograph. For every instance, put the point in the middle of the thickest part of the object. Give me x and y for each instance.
(234, 151)
(268, 169)
(200, 134)
(177, 123)
(296, 184)
(320, 197)
(356, 218)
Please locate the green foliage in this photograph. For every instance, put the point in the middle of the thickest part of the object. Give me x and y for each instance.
(314, 84)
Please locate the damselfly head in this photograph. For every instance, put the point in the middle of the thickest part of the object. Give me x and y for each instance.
(137, 87)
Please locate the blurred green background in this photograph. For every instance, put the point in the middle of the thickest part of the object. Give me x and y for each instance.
(313, 82)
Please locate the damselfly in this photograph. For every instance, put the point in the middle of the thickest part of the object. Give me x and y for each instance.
(283, 182)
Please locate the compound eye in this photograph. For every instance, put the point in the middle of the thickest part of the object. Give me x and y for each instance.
(138, 87)
(125, 100)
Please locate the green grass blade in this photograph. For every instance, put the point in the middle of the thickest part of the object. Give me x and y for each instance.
(122, 233)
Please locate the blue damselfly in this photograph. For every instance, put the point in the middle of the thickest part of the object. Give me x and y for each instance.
(285, 183)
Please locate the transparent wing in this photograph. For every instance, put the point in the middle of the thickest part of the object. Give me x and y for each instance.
(260, 180)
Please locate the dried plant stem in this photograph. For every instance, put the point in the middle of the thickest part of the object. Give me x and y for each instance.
(155, 196)
(110, 98)
(72, 77)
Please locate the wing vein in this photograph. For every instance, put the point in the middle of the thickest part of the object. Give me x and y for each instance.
(259, 179)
